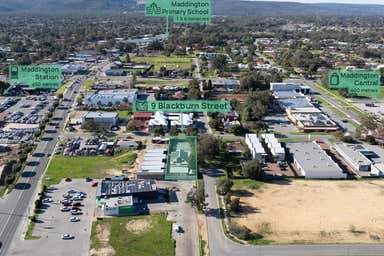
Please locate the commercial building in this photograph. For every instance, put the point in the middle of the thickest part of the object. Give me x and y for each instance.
(299, 108)
(153, 164)
(103, 119)
(115, 72)
(118, 206)
(353, 156)
(313, 162)
(290, 87)
(313, 122)
(111, 97)
(120, 186)
(254, 145)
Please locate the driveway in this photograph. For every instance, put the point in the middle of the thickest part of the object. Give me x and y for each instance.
(220, 245)
(182, 214)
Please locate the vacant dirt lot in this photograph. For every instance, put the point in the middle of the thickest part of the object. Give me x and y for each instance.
(317, 211)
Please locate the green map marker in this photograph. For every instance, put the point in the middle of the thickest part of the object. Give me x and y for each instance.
(36, 77)
(182, 11)
(182, 106)
(361, 83)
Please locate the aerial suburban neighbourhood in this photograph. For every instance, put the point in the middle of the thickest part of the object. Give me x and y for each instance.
(195, 127)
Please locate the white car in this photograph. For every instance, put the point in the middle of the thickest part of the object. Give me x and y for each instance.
(76, 212)
(67, 237)
(47, 200)
(74, 219)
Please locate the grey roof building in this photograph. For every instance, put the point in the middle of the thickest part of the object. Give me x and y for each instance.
(352, 155)
(313, 162)
(122, 187)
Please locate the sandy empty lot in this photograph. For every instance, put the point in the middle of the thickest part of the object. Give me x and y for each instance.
(317, 212)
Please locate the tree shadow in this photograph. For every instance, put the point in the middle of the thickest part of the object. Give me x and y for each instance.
(213, 173)
(212, 212)
(242, 193)
(246, 209)
(278, 181)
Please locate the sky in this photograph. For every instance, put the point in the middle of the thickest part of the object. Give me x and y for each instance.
(332, 1)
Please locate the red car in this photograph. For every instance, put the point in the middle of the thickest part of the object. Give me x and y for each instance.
(94, 184)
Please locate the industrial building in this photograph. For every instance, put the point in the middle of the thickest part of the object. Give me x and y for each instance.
(290, 87)
(313, 162)
(277, 151)
(366, 160)
(254, 145)
(153, 165)
(300, 109)
(353, 156)
(104, 119)
(111, 97)
(118, 206)
(120, 186)
(313, 122)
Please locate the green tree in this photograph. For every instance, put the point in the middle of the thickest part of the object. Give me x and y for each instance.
(234, 205)
(209, 147)
(196, 196)
(252, 169)
(219, 62)
(223, 186)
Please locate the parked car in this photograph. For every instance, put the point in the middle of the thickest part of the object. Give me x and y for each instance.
(178, 229)
(77, 204)
(47, 200)
(77, 198)
(67, 237)
(94, 184)
(65, 209)
(68, 179)
(76, 212)
(74, 219)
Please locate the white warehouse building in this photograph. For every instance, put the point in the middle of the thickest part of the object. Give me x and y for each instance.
(106, 97)
(254, 145)
(352, 155)
(274, 145)
(313, 162)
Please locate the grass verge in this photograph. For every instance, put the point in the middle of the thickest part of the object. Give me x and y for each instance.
(29, 233)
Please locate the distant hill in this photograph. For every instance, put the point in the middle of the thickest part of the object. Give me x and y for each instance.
(220, 7)
(264, 8)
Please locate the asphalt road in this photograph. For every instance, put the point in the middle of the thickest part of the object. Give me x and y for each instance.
(220, 245)
(14, 207)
